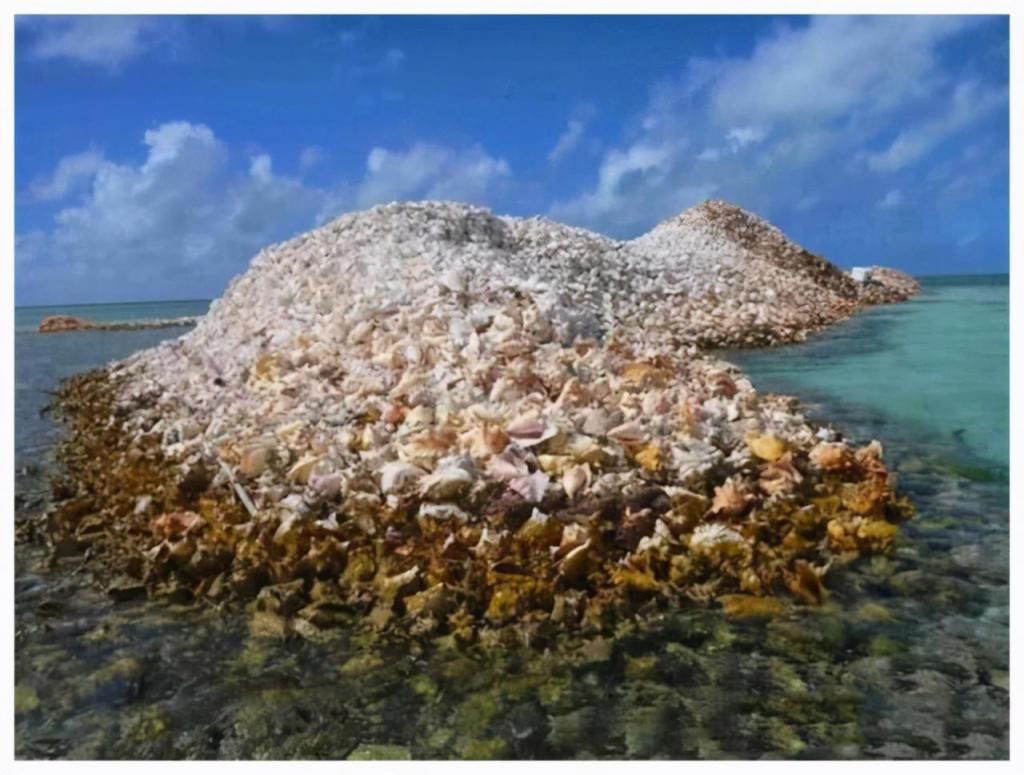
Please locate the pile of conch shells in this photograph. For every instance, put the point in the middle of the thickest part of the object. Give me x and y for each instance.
(441, 421)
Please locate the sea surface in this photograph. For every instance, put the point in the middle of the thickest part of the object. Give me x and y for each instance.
(908, 659)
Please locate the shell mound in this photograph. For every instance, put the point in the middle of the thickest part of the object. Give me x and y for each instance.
(447, 421)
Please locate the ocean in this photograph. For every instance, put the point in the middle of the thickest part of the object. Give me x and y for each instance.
(908, 659)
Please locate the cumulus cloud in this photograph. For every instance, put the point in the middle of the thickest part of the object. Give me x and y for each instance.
(427, 171)
(635, 186)
(833, 66)
(107, 41)
(185, 218)
(811, 107)
(70, 172)
(178, 224)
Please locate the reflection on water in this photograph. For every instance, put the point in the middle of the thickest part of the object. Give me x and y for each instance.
(909, 659)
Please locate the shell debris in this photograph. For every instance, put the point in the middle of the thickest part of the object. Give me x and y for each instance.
(446, 418)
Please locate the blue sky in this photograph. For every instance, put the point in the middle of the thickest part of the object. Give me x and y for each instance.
(156, 155)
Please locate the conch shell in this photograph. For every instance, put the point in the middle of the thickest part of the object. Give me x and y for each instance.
(528, 430)
(627, 433)
(766, 446)
(576, 479)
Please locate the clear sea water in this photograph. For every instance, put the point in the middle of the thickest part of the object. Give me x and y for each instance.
(936, 367)
(909, 659)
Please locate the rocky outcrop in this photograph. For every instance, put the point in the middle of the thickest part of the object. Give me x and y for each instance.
(61, 323)
(883, 285)
(55, 323)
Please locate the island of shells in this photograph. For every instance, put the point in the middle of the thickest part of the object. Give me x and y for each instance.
(432, 420)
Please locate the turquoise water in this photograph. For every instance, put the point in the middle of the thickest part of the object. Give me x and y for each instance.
(937, 367)
(28, 318)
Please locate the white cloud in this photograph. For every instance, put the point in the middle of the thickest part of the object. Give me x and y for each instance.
(178, 224)
(71, 171)
(107, 41)
(635, 185)
(261, 168)
(969, 103)
(568, 140)
(893, 198)
(740, 137)
(428, 171)
(832, 66)
(423, 171)
(797, 114)
(181, 221)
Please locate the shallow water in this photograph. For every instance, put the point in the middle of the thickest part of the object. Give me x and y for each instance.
(909, 659)
(938, 366)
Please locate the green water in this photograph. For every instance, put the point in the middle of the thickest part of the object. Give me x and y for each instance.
(936, 366)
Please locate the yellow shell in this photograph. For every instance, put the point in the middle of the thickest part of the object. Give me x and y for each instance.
(767, 446)
(649, 457)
